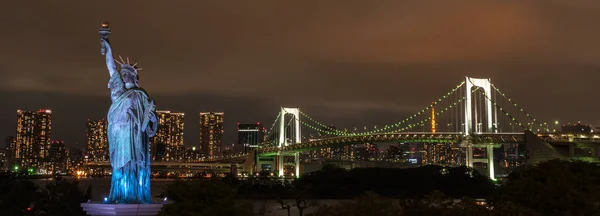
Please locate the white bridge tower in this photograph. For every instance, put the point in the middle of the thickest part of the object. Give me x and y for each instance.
(490, 126)
(285, 141)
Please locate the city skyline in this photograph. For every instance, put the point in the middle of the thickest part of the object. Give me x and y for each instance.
(351, 73)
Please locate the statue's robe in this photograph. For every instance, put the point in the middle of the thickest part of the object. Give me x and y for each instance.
(128, 140)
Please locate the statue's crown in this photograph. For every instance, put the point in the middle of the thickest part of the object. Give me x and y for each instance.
(126, 65)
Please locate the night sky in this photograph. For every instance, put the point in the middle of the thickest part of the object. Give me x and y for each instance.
(348, 63)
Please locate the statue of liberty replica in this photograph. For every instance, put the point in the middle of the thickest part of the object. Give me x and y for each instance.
(131, 122)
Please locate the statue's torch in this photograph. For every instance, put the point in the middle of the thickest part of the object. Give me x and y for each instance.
(104, 32)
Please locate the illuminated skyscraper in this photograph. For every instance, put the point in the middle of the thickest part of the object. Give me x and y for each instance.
(335, 153)
(74, 159)
(211, 133)
(11, 143)
(192, 154)
(249, 136)
(33, 138)
(442, 154)
(58, 157)
(167, 144)
(366, 152)
(97, 140)
(3, 160)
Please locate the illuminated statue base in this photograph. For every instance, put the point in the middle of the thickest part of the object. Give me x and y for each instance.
(101, 209)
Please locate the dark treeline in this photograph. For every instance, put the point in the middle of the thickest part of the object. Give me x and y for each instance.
(19, 196)
(397, 183)
(336, 183)
(552, 188)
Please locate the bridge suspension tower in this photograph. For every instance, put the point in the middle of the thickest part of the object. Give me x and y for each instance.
(474, 121)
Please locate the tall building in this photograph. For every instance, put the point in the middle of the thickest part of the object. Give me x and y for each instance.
(334, 153)
(249, 136)
(442, 154)
(167, 144)
(576, 128)
(33, 138)
(211, 133)
(366, 152)
(3, 160)
(10, 146)
(192, 154)
(58, 157)
(228, 149)
(97, 140)
(74, 159)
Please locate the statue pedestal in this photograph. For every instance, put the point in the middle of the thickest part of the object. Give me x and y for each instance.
(101, 209)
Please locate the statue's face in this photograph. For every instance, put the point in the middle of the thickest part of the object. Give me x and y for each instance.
(130, 77)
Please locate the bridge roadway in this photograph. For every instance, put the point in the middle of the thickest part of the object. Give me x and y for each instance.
(429, 137)
(422, 137)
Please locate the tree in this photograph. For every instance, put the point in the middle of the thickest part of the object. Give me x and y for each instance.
(555, 187)
(396, 151)
(369, 204)
(203, 198)
(512, 209)
(62, 198)
(285, 205)
(16, 195)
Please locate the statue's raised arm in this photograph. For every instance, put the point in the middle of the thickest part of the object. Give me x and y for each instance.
(105, 49)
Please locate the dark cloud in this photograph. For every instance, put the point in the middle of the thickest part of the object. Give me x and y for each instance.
(351, 63)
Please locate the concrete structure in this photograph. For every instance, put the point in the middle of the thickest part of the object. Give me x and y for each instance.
(101, 209)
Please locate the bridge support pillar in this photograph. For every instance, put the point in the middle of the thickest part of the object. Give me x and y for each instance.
(297, 164)
(490, 160)
(469, 155)
(280, 160)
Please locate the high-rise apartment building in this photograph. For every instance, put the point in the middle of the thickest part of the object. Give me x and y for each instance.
(3, 160)
(58, 157)
(97, 140)
(33, 138)
(335, 153)
(442, 154)
(249, 136)
(167, 144)
(74, 159)
(366, 152)
(211, 133)
(10, 146)
(193, 154)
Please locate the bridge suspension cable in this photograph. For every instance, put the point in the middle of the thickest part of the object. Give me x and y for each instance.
(391, 126)
(407, 127)
(451, 105)
(497, 106)
(438, 113)
(521, 109)
(441, 111)
(270, 131)
(332, 131)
